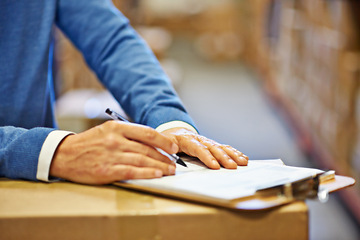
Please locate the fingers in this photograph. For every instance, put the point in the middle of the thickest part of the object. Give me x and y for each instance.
(120, 173)
(226, 155)
(141, 161)
(240, 158)
(146, 150)
(197, 149)
(129, 137)
(211, 153)
(130, 166)
(148, 136)
(116, 168)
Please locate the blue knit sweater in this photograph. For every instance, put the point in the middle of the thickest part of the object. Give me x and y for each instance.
(111, 48)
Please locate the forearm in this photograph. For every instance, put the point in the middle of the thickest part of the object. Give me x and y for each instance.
(47, 152)
(121, 60)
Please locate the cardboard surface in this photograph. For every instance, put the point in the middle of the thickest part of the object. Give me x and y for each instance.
(71, 211)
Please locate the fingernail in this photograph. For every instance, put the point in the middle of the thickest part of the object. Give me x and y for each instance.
(215, 164)
(158, 173)
(172, 170)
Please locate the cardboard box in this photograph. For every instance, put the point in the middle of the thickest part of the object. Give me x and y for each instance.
(65, 210)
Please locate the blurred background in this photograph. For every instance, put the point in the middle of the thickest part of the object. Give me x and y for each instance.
(273, 78)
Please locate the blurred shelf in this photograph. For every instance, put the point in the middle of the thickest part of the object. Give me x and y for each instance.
(314, 148)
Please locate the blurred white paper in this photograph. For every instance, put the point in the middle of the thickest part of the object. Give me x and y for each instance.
(227, 184)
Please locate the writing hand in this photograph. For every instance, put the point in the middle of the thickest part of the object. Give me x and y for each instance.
(113, 151)
(211, 153)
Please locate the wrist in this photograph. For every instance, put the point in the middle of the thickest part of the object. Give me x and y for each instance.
(61, 154)
(47, 152)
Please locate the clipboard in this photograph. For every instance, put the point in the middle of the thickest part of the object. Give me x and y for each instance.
(317, 185)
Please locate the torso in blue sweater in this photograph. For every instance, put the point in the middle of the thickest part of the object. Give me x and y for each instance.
(25, 37)
(111, 48)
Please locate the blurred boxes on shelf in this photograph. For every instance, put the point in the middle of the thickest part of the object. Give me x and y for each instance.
(356, 154)
(80, 109)
(308, 52)
(213, 24)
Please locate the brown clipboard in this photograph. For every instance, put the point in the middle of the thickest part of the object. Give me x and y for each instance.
(318, 186)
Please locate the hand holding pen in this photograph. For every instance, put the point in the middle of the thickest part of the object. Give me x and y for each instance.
(113, 151)
(210, 152)
(114, 115)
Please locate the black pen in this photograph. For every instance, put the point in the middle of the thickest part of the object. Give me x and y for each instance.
(114, 115)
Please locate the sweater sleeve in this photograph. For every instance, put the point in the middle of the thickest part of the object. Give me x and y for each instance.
(19, 151)
(121, 60)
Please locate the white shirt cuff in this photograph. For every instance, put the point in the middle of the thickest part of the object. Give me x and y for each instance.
(47, 152)
(175, 124)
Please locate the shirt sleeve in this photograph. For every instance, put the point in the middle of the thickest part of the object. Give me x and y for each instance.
(47, 152)
(175, 124)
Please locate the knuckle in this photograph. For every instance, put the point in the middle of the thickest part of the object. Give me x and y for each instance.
(150, 133)
(129, 173)
(109, 124)
(139, 160)
(146, 150)
(110, 141)
(200, 150)
(112, 126)
(99, 172)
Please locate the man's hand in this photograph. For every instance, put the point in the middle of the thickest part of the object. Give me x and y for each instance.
(111, 152)
(211, 153)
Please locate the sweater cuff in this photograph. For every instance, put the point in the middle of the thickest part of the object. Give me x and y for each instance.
(175, 124)
(47, 152)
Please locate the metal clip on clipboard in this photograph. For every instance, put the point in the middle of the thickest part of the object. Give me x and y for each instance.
(307, 188)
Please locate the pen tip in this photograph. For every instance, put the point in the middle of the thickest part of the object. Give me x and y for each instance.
(181, 162)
